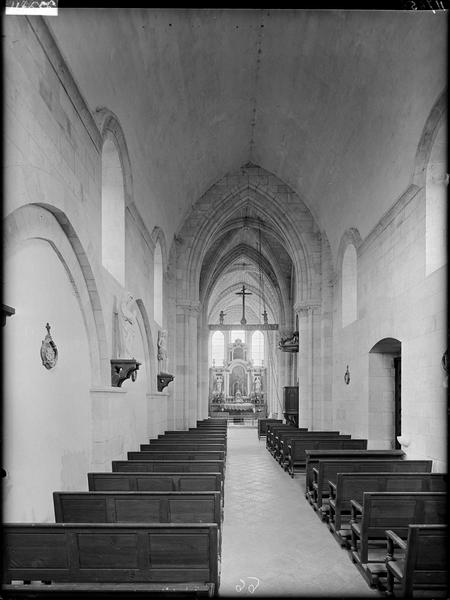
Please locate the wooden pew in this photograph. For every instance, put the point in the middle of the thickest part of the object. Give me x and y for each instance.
(380, 511)
(194, 437)
(170, 466)
(176, 455)
(120, 560)
(326, 471)
(351, 486)
(155, 482)
(283, 440)
(182, 446)
(272, 428)
(262, 426)
(422, 564)
(137, 507)
(313, 456)
(297, 449)
(395, 476)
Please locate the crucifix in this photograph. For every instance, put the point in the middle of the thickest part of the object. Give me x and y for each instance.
(243, 293)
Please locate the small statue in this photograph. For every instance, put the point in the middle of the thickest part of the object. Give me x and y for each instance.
(221, 316)
(162, 346)
(127, 322)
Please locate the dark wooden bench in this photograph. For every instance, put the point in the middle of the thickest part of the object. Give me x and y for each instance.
(155, 482)
(313, 456)
(421, 562)
(280, 436)
(351, 486)
(271, 430)
(182, 446)
(297, 449)
(176, 455)
(326, 471)
(197, 437)
(119, 560)
(262, 426)
(380, 511)
(137, 507)
(170, 466)
(283, 440)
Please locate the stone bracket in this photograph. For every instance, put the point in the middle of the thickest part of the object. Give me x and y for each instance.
(122, 369)
(163, 380)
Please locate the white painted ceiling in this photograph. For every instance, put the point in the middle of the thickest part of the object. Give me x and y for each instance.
(332, 102)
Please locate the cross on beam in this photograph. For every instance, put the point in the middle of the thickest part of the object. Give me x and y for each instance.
(243, 293)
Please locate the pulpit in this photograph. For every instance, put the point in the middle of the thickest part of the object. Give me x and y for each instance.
(290, 404)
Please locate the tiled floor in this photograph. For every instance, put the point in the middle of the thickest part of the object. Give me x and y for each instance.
(273, 543)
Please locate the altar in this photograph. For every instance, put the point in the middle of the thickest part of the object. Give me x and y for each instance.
(237, 386)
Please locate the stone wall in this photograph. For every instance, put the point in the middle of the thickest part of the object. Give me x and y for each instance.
(396, 299)
(53, 193)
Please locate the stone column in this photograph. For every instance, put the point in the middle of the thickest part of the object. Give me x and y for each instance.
(307, 361)
(186, 372)
(203, 372)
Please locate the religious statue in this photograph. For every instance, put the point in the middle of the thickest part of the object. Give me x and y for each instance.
(127, 325)
(162, 345)
(219, 383)
(221, 316)
(257, 385)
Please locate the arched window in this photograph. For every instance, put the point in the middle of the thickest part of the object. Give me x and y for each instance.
(158, 285)
(436, 204)
(113, 210)
(349, 286)
(217, 348)
(234, 335)
(258, 348)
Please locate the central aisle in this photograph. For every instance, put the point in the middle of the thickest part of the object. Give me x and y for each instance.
(272, 539)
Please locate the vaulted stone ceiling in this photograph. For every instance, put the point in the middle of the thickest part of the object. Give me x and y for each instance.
(332, 102)
(246, 253)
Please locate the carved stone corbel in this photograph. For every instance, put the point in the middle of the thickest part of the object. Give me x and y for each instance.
(163, 380)
(122, 369)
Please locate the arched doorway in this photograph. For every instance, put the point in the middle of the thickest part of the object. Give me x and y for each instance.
(385, 393)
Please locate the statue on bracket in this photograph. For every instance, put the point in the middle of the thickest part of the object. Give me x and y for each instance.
(127, 319)
(124, 366)
(162, 348)
(163, 379)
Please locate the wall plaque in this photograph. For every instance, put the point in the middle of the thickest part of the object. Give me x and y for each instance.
(49, 351)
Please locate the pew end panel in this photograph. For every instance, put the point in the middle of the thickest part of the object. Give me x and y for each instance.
(395, 511)
(419, 563)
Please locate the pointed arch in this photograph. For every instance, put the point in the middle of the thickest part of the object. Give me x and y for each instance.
(43, 221)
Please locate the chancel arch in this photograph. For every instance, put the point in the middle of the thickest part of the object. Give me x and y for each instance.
(246, 228)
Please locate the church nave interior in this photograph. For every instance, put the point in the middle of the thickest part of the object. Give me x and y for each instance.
(225, 245)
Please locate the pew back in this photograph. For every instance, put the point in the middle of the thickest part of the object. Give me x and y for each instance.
(395, 511)
(155, 482)
(182, 446)
(162, 556)
(262, 426)
(313, 456)
(283, 440)
(176, 455)
(327, 471)
(351, 486)
(297, 449)
(169, 466)
(137, 507)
